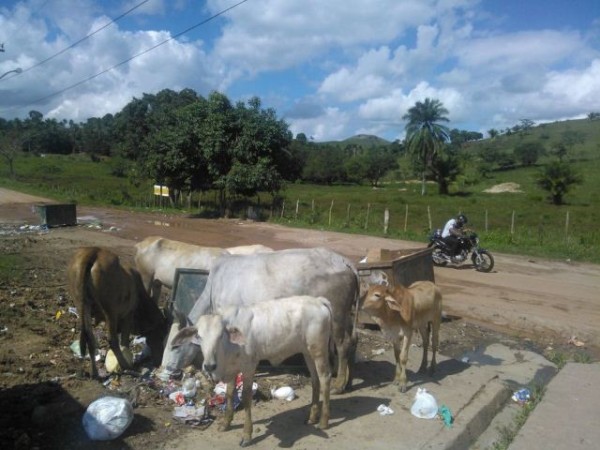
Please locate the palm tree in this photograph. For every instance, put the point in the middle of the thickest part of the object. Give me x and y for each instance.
(425, 136)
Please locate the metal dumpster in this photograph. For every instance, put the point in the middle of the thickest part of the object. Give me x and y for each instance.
(401, 267)
(187, 287)
(56, 215)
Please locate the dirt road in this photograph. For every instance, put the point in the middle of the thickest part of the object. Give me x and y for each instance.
(542, 299)
(44, 388)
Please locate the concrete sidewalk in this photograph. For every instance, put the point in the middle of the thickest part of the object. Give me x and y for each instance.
(567, 416)
(475, 389)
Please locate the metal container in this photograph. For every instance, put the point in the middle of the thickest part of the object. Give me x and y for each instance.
(56, 215)
(401, 267)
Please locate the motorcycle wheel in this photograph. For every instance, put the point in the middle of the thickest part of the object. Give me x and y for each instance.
(438, 258)
(483, 261)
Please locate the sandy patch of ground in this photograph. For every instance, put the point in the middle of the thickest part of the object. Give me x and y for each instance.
(514, 188)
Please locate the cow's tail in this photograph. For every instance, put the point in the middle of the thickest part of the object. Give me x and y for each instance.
(82, 290)
(356, 304)
(331, 343)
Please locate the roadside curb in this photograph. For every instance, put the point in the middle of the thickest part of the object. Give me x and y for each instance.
(474, 418)
(566, 417)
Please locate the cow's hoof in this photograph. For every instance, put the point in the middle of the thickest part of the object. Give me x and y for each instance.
(223, 427)
(403, 388)
(336, 390)
(245, 442)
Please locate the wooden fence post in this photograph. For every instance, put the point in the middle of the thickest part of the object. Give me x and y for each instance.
(282, 209)
(486, 220)
(348, 215)
(406, 218)
(297, 204)
(367, 219)
(429, 216)
(512, 225)
(330, 210)
(567, 226)
(386, 220)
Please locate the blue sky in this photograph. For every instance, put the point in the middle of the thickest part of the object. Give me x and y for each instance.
(332, 69)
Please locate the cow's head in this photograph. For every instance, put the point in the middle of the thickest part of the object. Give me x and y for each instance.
(375, 299)
(185, 348)
(375, 278)
(149, 320)
(215, 340)
(385, 302)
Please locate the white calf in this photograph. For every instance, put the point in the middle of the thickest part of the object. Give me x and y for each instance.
(272, 330)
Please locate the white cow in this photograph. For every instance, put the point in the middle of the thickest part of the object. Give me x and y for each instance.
(236, 340)
(249, 249)
(236, 280)
(157, 259)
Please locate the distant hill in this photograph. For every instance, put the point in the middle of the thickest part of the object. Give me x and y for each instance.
(366, 140)
(362, 140)
(585, 132)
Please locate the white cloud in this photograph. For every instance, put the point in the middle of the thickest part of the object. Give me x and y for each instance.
(330, 125)
(393, 106)
(364, 81)
(272, 34)
(519, 50)
(175, 65)
(337, 69)
(576, 87)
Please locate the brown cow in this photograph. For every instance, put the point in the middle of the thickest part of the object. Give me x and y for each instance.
(399, 310)
(106, 290)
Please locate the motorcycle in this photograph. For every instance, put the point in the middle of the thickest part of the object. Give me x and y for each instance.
(482, 260)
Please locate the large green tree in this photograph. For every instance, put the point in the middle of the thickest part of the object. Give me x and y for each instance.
(557, 178)
(238, 150)
(325, 164)
(425, 134)
(371, 164)
(529, 152)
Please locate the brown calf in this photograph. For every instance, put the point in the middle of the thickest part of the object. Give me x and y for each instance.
(398, 311)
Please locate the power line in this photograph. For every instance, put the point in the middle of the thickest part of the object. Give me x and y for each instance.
(205, 21)
(81, 40)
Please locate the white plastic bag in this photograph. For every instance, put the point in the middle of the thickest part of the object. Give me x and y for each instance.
(425, 406)
(283, 393)
(107, 418)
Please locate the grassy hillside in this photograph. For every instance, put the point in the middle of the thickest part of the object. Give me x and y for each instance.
(517, 222)
(366, 140)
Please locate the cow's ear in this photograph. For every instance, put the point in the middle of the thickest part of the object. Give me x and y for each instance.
(392, 303)
(184, 336)
(236, 336)
(403, 305)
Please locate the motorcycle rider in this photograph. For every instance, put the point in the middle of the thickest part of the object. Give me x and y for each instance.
(454, 230)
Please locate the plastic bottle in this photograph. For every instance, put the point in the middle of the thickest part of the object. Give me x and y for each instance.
(189, 387)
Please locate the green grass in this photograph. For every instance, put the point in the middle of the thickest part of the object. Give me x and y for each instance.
(539, 229)
(508, 433)
(9, 264)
